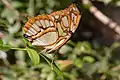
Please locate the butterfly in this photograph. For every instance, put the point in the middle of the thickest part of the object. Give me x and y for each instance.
(52, 31)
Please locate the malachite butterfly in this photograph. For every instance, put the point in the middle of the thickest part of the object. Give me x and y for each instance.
(51, 31)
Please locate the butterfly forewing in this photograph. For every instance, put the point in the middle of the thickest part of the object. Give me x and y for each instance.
(53, 30)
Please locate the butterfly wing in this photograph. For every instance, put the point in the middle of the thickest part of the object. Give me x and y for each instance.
(39, 31)
(53, 30)
(66, 22)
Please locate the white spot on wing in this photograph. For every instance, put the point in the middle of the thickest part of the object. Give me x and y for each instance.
(65, 21)
(32, 30)
(52, 18)
(43, 23)
(74, 18)
(38, 23)
(38, 42)
(47, 23)
(49, 37)
(57, 16)
(77, 9)
(72, 27)
(36, 27)
(72, 15)
(73, 8)
(51, 23)
(28, 34)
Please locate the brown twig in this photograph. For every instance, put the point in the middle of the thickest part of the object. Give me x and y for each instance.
(103, 77)
(101, 17)
(116, 68)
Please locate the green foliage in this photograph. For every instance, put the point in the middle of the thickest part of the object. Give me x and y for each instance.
(33, 55)
(53, 66)
(74, 61)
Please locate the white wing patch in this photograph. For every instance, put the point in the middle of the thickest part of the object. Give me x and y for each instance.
(43, 23)
(47, 23)
(51, 23)
(36, 27)
(38, 23)
(65, 21)
(32, 31)
(38, 42)
(46, 39)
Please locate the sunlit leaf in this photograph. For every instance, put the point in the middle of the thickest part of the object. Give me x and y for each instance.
(33, 55)
(86, 46)
(78, 63)
(54, 66)
(27, 42)
(1, 42)
(5, 47)
(115, 45)
(118, 3)
(89, 59)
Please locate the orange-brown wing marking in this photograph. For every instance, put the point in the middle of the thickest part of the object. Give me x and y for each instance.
(43, 29)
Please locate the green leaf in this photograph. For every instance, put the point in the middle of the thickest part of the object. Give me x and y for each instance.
(15, 48)
(33, 55)
(89, 59)
(54, 66)
(78, 63)
(4, 47)
(115, 45)
(8, 46)
(1, 42)
(86, 46)
(27, 42)
(118, 3)
(57, 70)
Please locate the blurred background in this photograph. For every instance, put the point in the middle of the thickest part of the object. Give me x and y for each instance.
(93, 52)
